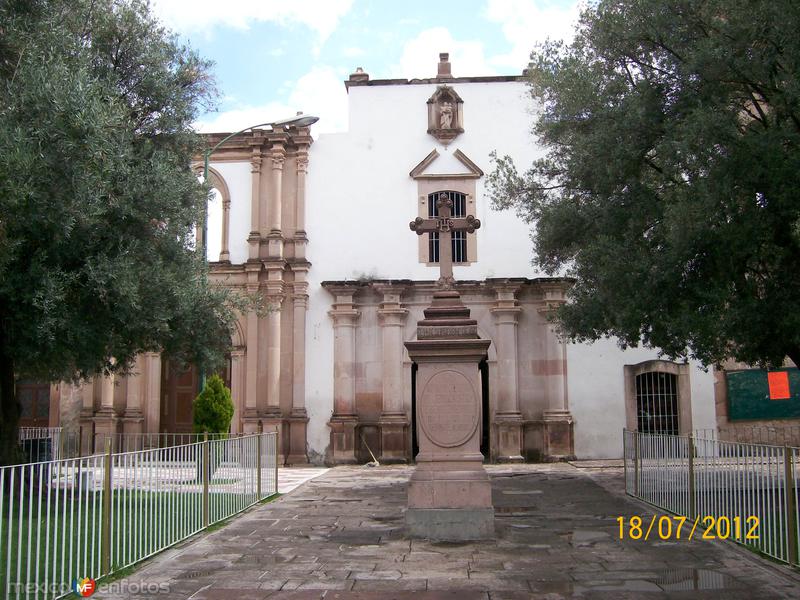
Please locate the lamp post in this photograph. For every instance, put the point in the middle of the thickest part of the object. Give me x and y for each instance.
(300, 120)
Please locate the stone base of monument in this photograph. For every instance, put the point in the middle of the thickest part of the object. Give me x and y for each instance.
(452, 525)
(450, 501)
(449, 494)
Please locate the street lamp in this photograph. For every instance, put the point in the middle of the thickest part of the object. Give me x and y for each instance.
(300, 120)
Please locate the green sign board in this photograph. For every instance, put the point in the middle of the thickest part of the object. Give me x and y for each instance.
(758, 394)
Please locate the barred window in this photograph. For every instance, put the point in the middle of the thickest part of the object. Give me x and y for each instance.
(657, 403)
(459, 238)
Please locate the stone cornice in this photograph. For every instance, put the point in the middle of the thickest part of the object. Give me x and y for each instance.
(433, 80)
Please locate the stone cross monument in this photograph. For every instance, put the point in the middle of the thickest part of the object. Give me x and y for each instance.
(445, 224)
(449, 495)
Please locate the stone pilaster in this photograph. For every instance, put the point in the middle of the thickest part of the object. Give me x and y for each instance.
(507, 419)
(133, 418)
(225, 254)
(394, 419)
(343, 420)
(274, 234)
(152, 392)
(274, 300)
(559, 440)
(254, 238)
(250, 413)
(298, 418)
(105, 419)
(300, 237)
(238, 370)
(86, 418)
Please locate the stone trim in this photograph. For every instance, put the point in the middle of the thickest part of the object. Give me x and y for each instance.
(454, 183)
(418, 172)
(681, 371)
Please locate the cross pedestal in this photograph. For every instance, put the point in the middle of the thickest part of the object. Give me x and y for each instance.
(449, 495)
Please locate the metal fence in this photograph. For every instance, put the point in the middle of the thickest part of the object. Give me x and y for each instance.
(783, 435)
(747, 493)
(39, 444)
(42, 443)
(73, 518)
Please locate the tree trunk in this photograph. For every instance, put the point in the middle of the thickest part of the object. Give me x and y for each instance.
(9, 409)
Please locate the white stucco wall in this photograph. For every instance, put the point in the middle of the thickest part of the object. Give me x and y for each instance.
(360, 199)
(360, 195)
(596, 390)
(238, 179)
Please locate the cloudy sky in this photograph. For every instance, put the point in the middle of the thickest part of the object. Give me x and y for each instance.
(275, 57)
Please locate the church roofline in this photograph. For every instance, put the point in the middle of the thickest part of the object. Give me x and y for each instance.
(459, 282)
(434, 80)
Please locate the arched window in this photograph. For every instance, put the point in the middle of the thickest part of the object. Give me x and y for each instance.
(459, 238)
(657, 402)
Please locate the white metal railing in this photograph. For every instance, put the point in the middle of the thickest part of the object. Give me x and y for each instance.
(775, 435)
(41, 443)
(90, 516)
(744, 492)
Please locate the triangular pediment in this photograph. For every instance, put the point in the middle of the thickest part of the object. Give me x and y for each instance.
(449, 165)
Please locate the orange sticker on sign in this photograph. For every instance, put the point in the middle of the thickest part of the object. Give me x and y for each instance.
(778, 385)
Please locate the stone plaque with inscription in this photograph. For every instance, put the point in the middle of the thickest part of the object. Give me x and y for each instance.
(449, 413)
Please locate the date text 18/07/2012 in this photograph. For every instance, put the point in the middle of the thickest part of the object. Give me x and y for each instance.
(667, 527)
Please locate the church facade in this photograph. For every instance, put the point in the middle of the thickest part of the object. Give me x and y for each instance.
(320, 230)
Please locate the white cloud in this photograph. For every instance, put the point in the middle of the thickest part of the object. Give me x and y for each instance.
(321, 16)
(320, 92)
(421, 55)
(527, 22)
(353, 52)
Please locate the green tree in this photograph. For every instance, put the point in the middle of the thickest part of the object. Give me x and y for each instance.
(670, 187)
(213, 407)
(97, 199)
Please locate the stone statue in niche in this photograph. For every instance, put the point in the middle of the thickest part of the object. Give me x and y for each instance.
(445, 114)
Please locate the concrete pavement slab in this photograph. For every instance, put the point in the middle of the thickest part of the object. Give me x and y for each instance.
(339, 536)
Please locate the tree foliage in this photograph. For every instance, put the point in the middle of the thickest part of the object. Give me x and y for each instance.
(213, 407)
(670, 188)
(97, 198)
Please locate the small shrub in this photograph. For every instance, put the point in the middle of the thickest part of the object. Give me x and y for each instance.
(213, 407)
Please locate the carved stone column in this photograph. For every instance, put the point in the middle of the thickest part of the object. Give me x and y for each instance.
(238, 370)
(343, 421)
(272, 414)
(250, 414)
(152, 392)
(559, 442)
(86, 419)
(274, 235)
(298, 418)
(254, 238)
(105, 420)
(394, 420)
(225, 255)
(507, 418)
(300, 237)
(133, 419)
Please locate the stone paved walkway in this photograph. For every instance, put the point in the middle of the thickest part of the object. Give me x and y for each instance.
(340, 537)
(289, 479)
